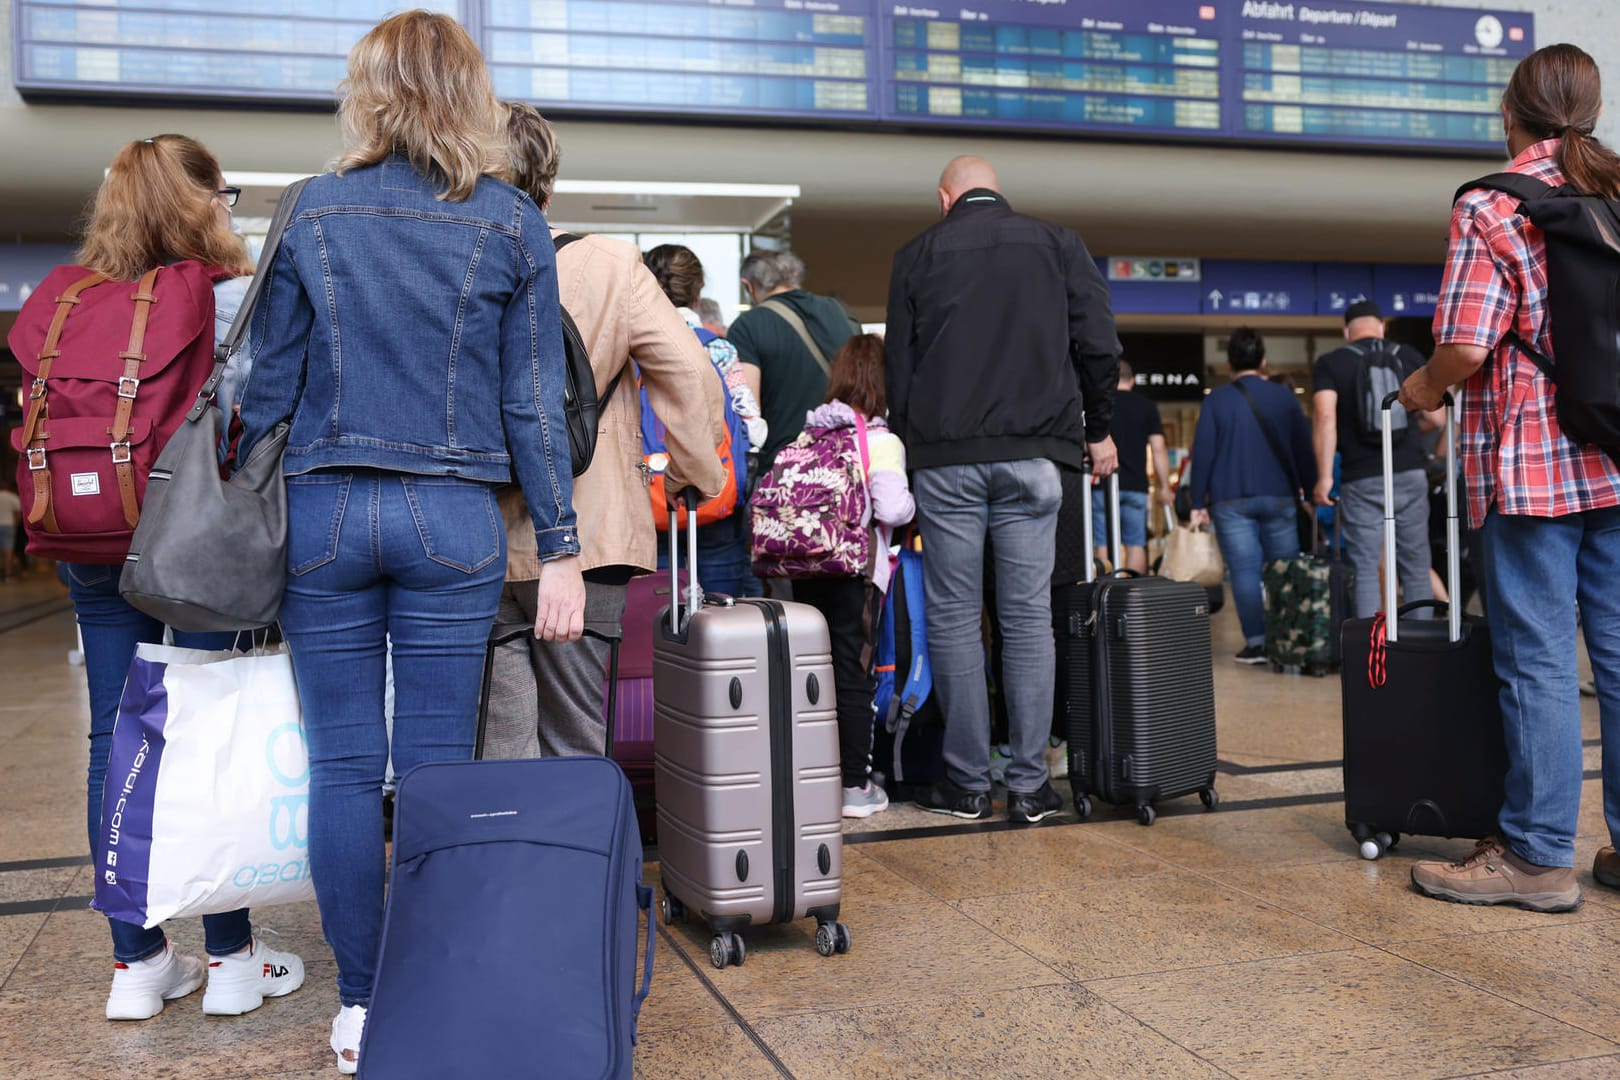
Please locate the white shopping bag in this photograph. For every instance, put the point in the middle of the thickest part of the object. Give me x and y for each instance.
(206, 807)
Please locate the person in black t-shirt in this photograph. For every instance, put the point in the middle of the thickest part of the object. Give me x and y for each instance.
(1137, 429)
(1342, 423)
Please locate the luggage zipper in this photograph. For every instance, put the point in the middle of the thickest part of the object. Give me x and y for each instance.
(1102, 713)
(779, 662)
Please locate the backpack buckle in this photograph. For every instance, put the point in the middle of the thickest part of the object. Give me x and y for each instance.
(127, 387)
(120, 452)
(36, 458)
(38, 390)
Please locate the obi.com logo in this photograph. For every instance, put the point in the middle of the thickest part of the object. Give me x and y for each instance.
(115, 821)
(287, 761)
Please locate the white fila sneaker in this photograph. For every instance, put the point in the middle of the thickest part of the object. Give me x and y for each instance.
(239, 983)
(139, 989)
(347, 1027)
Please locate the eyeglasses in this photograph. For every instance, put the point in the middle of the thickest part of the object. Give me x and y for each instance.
(230, 194)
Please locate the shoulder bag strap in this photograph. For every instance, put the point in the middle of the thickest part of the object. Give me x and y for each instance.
(558, 242)
(129, 383)
(33, 439)
(1521, 186)
(1275, 443)
(244, 314)
(784, 311)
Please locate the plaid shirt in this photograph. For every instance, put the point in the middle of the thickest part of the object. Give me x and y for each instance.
(1514, 454)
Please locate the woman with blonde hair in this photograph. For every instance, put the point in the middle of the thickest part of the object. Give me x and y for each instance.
(409, 334)
(163, 210)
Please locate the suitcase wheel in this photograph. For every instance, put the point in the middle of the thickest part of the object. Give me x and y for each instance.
(672, 909)
(727, 948)
(1375, 845)
(1082, 806)
(832, 937)
(1146, 815)
(1210, 798)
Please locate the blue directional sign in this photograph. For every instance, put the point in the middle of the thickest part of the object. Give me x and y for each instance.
(1338, 285)
(1245, 287)
(1403, 290)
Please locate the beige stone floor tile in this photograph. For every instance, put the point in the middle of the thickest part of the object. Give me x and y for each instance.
(1164, 922)
(1603, 1068)
(17, 932)
(1028, 1034)
(17, 886)
(55, 1031)
(707, 1052)
(1376, 903)
(1251, 838)
(1349, 1014)
(1568, 970)
(1025, 860)
(894, 927)
(678, 999)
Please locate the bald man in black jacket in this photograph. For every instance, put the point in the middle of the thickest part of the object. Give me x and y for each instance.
(1001, 362)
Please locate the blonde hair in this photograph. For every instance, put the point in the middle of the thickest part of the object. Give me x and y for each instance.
(532, 152)
(417, 85)
(157, 206)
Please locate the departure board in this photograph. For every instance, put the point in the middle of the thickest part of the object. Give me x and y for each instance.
(1104, 65)
(290, 50)
(1387, 74)
(807, 58)
(1309, 72)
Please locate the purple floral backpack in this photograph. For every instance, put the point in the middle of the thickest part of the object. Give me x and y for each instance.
(812, 514)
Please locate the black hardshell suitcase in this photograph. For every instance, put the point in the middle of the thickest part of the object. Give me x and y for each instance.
(746, 763)
(1136, 686)
(1424, 749)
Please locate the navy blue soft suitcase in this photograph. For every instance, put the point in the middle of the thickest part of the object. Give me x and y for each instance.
(509, 945)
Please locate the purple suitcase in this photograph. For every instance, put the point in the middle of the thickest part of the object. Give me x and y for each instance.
(745, 733)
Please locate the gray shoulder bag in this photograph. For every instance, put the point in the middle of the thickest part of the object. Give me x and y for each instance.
(208, 553)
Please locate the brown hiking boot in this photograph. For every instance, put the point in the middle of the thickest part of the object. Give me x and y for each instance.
(1491, 874)
(1606, 867)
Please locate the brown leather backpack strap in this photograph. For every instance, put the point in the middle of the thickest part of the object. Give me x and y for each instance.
(129, 384)
(33, 439)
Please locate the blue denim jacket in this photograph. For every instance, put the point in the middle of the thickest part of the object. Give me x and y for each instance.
(407, 333)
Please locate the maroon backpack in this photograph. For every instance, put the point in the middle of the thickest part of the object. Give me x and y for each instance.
(115, 366)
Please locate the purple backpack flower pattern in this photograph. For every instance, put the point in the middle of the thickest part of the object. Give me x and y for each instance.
(812, 515)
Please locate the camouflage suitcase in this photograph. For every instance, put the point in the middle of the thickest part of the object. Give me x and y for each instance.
(1307, 601)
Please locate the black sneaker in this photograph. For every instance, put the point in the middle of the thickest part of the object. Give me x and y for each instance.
(1028, 807)
(946, 798)
(1251, 654)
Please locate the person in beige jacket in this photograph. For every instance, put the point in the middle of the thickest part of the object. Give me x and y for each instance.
(546, 698)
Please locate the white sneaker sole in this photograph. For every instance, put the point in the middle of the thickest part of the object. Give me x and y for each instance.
(141, 1008)
(864, 811)
(238, 1003)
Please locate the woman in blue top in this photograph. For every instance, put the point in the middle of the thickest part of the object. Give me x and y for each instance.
(410, 335)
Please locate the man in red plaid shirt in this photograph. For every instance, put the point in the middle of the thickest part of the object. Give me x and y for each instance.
(1548, 508)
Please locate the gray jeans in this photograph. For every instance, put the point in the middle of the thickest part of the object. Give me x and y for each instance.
(1361, 516)
(546, 698)
(1016, 504)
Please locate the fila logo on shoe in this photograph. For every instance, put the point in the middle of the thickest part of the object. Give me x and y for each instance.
(275, 971)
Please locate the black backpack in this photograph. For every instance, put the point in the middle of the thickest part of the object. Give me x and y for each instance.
(1379, 374)
(1583, 302)
(581, 408)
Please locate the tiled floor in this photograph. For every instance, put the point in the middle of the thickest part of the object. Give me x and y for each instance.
(1248, 943)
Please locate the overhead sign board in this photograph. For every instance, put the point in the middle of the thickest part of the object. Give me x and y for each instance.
(1245, 287)
(1324, 72)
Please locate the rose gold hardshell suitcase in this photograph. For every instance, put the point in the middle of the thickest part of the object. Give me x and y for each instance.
(745, 738)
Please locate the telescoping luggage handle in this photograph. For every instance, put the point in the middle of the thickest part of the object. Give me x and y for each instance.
(1116, 550)
(688, 498)
(1453, 531)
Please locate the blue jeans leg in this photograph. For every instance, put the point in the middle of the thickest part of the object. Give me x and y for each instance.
(957, 506)
(371, 557)
(112, 629)
(1531, 564)
(1597, 569)
(1252, 532)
